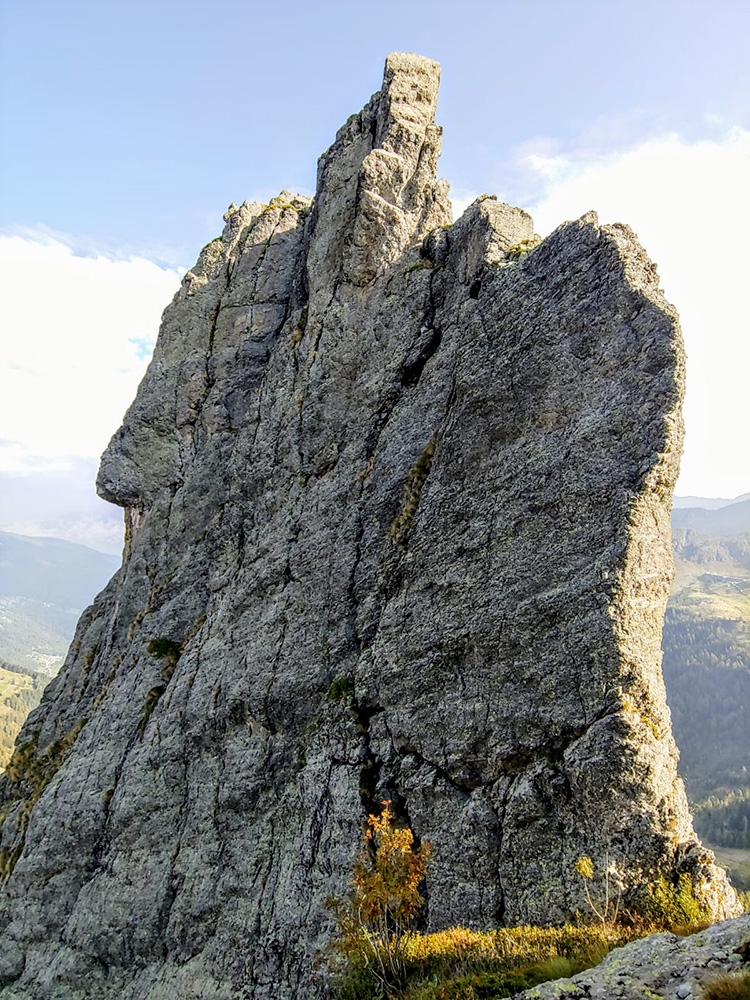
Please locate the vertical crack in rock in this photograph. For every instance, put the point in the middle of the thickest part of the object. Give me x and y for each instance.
(376, 454)
(415, 481)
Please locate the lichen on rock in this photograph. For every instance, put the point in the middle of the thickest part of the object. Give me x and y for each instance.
(401, 512)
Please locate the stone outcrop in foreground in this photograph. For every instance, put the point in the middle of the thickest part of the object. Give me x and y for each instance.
(659, 967)
(397, 499)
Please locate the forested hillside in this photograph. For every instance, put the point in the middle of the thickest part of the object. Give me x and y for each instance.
(45, 583)
(20, 691)
(707, 673)
(733, 519)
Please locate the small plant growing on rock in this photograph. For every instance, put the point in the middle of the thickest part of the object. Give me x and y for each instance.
(607, 906)
(412, 492)
(674, 905)
(374, 922)
(167, 650)
(340, 689)
(164, 647)
(523, 248)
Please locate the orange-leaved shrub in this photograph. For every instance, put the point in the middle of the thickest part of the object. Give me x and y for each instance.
(374, 922)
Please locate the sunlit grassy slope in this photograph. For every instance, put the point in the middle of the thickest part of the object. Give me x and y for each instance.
(20, 691)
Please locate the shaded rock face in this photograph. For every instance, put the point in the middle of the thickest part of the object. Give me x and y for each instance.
(398, 527)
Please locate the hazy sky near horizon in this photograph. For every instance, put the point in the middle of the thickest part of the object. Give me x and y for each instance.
(126, 128)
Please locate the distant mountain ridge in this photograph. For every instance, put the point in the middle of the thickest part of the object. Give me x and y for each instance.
(708, 503)
(731, 519)
(45, 583)
(52, 570)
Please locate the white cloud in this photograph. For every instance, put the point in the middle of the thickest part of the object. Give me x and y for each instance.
(461, 198)
(77, 334)
(60, 503)
(77, 331)
(689, 205)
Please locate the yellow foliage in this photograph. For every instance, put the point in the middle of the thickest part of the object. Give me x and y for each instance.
(509, 947)
(585, 867)
(374, 922)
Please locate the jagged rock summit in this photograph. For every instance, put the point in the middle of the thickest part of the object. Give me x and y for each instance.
(397, 499)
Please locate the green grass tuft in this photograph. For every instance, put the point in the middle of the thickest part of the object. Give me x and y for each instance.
(421, 265)
(341, 689)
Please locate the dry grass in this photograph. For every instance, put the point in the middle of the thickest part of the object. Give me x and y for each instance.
(734, 986)
(511, 947)
(463, 964)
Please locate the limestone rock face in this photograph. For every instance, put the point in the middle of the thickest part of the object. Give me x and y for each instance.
(397, 497)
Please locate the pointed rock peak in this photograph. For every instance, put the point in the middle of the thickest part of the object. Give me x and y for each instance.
(377, 191)
(409, 92)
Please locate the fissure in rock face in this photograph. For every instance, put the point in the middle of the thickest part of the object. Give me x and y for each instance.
(397, 499)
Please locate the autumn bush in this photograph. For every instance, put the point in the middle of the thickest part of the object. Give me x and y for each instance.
(374, 921)
(379, 955)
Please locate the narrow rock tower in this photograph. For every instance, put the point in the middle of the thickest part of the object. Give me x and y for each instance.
(397, 498)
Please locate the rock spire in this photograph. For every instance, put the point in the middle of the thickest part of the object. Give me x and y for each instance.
(397, 498)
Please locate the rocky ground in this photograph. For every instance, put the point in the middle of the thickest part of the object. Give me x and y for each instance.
(659, 967)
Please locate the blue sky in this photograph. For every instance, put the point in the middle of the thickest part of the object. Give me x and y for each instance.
(126, 129)
(134, 124)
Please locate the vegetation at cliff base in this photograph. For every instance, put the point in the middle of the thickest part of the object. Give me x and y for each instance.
(464, 964)
(377, 953)
(374, 922)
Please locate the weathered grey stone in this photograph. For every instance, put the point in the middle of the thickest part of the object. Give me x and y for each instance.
(660, 967)
(376, 448)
